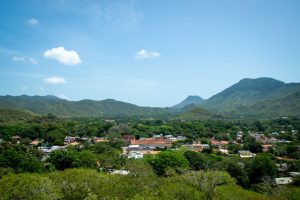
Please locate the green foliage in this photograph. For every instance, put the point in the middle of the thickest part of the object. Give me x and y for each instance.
(237, 193)
(262, 166)
(168, 163)
(28, 186)
(64, 159)
(20, 158)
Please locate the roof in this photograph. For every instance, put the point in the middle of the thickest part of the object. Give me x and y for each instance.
(149, 141)
(283, 180)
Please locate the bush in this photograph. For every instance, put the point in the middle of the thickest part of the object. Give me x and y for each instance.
(28, 186)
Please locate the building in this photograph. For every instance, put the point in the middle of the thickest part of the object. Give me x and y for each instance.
(246, 154)
(135, 155)
(99, 139)
(50, 149)
(224, 151)
(120, 172)
(283, 180)
(35, 142)
(137, 151)
(197, 147)
(293, 174)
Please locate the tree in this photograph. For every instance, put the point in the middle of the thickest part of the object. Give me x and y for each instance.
(64, 159)
(28, 186)
(168, 160)
(102, 147)
(262, 166)
(55, 137)
(208, 181)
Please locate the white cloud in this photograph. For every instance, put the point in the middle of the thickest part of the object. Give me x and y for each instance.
(143, 54)
(33, 21)
(24, 59)
(55, 80)
(63, 56)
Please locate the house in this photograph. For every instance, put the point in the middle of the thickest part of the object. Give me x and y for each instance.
(224, 151)
(137, 151)
(35, 142)
(197, 147)
(246, 154)
(135, 155)
(50, 149)
(293, 174)
(219, 144)
(69, 139)
(239, 134)
(99, 139)
(158, 136)
(283, 180)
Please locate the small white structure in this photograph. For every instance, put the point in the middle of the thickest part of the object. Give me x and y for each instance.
(283, 180)
(120, 172)
(293, 174)
(224, 151)
(135, 155)
(50, 149)
(246, 154)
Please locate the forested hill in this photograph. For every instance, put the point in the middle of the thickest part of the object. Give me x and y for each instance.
(84, 108)
(253, 97)
(257, 96)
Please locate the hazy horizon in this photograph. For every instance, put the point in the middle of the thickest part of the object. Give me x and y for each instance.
(149, 53)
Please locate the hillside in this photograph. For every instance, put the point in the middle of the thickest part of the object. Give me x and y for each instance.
(84, 108)
(190, 100)
(9, 115)
(252, 97)
(257, 96)
(197, 113)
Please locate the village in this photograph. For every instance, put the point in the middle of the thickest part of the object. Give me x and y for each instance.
(139, 148)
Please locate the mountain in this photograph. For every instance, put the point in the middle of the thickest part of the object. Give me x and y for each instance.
(84, 108)
(190, 100)
(252, 97)
(257, 96)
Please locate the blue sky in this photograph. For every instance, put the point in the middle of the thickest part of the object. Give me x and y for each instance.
(150, 53)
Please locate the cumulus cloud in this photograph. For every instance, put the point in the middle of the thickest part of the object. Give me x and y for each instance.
(33, 21)
(24, 59)
(55, 80)
(143, 54)
(63, 56)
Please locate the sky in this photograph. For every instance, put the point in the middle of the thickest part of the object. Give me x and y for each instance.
(149, 53)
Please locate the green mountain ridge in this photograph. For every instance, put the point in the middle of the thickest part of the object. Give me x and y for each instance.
(251, 97)
(84, 108)
(249, 93)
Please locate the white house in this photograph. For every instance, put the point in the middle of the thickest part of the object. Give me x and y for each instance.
(283, 180)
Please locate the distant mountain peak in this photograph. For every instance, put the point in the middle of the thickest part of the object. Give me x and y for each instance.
(190, 100)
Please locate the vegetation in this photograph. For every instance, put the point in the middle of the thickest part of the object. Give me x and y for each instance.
(262, 97)
(83, 171)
